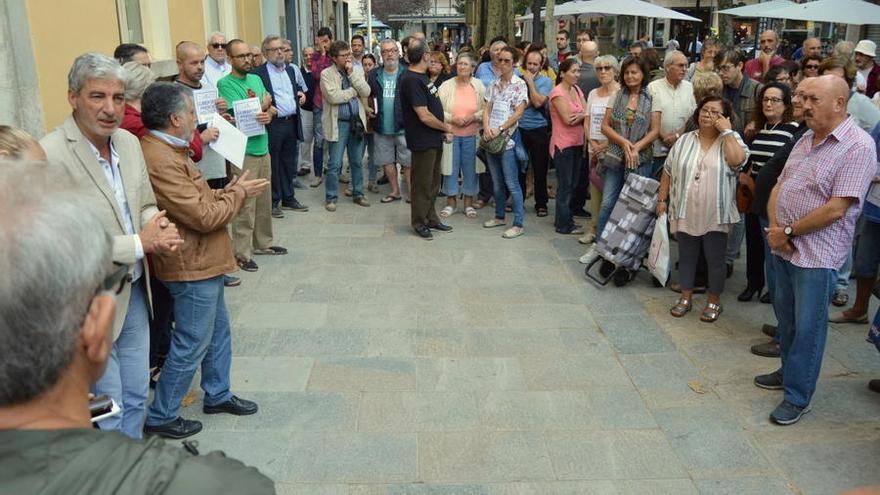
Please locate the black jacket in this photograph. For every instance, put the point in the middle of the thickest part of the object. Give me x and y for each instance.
(263, 72)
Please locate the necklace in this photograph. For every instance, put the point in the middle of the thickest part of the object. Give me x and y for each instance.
(772, 128)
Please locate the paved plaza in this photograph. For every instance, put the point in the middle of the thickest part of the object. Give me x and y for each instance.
(471, 364)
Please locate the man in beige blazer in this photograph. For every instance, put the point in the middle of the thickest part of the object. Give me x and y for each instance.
(107, 163)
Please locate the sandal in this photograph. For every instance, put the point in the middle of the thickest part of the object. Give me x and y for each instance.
(470, 212)
(681, 308)
(389, 199)
(446, 211)
(541, 212)
(711, 312)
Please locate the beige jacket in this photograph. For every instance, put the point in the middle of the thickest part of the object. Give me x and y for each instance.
(333, 96)
(67, 147)
(446, 93)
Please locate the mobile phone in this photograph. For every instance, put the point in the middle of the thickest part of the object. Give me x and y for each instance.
(103, 407)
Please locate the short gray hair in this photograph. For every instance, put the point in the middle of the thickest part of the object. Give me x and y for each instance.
(667, 60)
(470, 58)
(215, 34)
(54, 254)
(90, 66)
(610, 60)
(161, 101)
(137, 79)
(269, 39)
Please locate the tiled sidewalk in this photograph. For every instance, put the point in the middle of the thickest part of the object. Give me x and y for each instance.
(471, 364)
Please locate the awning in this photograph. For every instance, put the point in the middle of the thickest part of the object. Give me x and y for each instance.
(756, 10)
(377, 24)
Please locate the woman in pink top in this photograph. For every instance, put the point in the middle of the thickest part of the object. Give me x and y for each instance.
(568, 111)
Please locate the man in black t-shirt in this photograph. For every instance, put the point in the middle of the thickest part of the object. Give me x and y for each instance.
(425, 132)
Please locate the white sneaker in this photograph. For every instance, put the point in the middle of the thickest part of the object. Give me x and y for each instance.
(589, 256)
(587, 238)
(494, 222)
(513, 232)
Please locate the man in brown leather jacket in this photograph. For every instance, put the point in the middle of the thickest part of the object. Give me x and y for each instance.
(194, 274)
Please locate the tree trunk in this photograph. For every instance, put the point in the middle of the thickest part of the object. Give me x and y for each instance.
(551, 27)
(725, 28)
(497, 20)
(537, 23)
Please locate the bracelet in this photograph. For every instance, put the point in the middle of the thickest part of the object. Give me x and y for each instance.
(727, 132)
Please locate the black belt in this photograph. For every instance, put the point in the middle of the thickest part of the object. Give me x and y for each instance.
(288, 117)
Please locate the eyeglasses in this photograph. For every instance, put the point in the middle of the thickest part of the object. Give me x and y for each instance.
(276, 49)
(602, 68)
(217, 45)
(811, 66)
(389, 50)
(505, 60)
(725, 67)
(771, 99)
(243, 56)
(710, 113)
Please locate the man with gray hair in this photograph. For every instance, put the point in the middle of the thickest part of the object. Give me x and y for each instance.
(489, 71)
(56, 315)
(216, 64)
(107, 162)
(193, 275)
(673, 98)
(389, 139)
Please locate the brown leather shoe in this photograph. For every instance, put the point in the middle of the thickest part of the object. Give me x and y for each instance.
(361, 201)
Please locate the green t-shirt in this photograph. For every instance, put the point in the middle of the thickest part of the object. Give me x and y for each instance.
(233, 89)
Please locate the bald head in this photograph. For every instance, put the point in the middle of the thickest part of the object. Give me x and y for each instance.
(190, 62)
(824, 100)
(812, 47)
(590, 49)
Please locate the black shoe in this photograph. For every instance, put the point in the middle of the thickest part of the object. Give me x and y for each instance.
(874, 386)
(277, 213)
(747, 294)
(582, 213)
(442, 227)
(424, 232)
(297, 184)
(765, 298)
(729, 270)
(248, 265)
(768, 330)
(293, 205)
(767, 349)
(230, 281)
(177, 429)
(235, 405)
(303, 172)
(382, 180)
(770, 381)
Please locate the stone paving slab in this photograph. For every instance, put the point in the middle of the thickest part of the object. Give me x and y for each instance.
(384, 364)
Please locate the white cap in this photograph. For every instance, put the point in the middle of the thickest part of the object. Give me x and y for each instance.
(867, 47)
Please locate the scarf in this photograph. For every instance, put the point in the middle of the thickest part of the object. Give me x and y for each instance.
(635, 131)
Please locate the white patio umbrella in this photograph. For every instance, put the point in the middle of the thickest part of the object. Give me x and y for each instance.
(758, 9)
(601, 8)
(636, 8)
(855, 12)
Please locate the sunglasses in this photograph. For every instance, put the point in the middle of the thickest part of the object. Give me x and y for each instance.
(217, 45)
(811, 66)
(505, 60)
(602, 68)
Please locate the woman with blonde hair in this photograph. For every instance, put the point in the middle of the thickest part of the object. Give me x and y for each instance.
(16, 144)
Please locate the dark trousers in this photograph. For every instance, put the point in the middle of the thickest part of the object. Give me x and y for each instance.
(486, 188)
(754, 252)
(160, 323)
(580, 192)
(568, 162)
(714, 245)
(425, 185)
(536, 142)
(283, 152)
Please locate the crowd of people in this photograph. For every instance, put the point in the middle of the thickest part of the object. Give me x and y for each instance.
(776, 152)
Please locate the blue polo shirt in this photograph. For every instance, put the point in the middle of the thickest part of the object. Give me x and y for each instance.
(535, 118)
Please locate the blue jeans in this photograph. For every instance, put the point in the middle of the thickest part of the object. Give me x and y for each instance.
(505, 179)
(801, 307)
(568, 162)
(735, 240)
(769, 265)
(841, 282)
(201, 337)
(355, 148)
(127, 376)
(464, 162)
(372, 166)
(613, 180)
(318, 149)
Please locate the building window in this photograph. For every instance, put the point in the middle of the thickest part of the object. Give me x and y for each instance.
(131, 27)
(212, 16)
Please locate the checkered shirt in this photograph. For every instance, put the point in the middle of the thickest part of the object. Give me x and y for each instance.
(842, 166)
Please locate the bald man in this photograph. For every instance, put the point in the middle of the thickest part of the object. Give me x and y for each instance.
(812, 47)
(766, 58)
(812, 216)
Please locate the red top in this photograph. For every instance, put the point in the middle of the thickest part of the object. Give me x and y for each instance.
(319, 63)
(132, 123)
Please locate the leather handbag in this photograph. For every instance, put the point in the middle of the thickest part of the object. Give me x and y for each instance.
(745, 194)
(495, 145)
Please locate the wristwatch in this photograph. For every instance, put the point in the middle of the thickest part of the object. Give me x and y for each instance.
(500, 128)
(788, 231)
